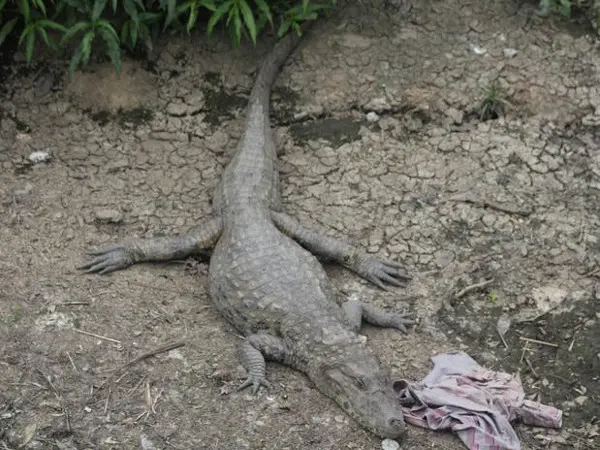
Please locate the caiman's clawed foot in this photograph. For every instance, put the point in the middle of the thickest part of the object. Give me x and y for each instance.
(379, 271)
(255, 382)
(357, 311)
(400, 322)
(108, 260)
(367, 266)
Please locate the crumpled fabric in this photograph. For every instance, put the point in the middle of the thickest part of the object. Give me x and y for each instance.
(476, 403)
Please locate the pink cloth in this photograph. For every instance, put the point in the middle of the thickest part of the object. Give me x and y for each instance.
(476, 403)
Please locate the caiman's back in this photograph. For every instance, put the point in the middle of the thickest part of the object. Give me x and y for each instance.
(256, 272)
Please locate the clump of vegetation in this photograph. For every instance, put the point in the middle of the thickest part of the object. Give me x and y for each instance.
(83, 27)
(493, 103)
(590, 8)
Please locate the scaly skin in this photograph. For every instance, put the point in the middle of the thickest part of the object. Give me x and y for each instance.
(266, 282)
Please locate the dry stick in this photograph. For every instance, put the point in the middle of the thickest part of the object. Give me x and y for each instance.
(483, 203)
(163, 348)
(535, 341)
(535, 374)
(97, 336)
(502, 339)
(72, 362)
(473, 287)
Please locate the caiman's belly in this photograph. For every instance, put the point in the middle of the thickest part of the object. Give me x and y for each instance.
(262, 280)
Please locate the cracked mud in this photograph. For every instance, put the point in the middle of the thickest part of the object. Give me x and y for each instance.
(376, 120)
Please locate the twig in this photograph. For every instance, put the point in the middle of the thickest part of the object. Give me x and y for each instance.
(97, 336)
(49, 381)
(483, 203)
(572, 342)
(535, 341)
(502, 339)
(72, 362)
(473, 287)
(535, 374)
(163, 348)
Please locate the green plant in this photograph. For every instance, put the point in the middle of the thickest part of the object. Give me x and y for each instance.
(591, 8)
(493, 103)
(106, 27)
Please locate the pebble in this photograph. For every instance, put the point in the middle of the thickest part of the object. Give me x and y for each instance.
(389, 444)
(372, 116)
(39, 156)
(109, 215)
(510, 52)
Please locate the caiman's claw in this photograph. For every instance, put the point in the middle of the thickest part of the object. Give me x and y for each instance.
(107, 260)
(378, 271)
(399, 322)
(256, 383)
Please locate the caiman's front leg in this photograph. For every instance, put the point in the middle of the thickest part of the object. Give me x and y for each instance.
(252, 353)
(356, 312)
(123, 255)
(367, 266)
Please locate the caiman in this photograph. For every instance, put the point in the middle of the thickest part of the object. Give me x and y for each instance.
(267, 282)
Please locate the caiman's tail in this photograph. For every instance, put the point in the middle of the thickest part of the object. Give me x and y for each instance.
(270, 68)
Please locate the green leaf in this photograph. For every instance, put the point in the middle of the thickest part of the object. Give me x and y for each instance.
(98, 9)
(125, 30)
(7, 29)
(73, 31)
(29, 47)
(42, 32)
(283, 28)
(264, 8)
(51, 24)
(193, 17)
(115, 3)
(248, 19)
(113, 48)
(217, 15)
(25, 10)
(105, 24)
(237, 27)
(41, 6)
(2, 4)
(75, 60)
(86, 46)
(131, 9)
(29, 29)
(171, 9)
(134, 34)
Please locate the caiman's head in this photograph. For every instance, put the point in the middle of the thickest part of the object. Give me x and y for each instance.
(364, 390)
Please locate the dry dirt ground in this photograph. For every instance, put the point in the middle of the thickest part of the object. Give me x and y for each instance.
(460, 200)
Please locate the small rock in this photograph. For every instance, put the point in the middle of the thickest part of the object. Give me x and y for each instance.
(581, 400)
(378, 105)
(478, 50)
(146, 443)
(510, 52)
(389, 444)
(372, 116)
(39, 156)
(177, 109)
(109, 215)
(355, 41)
(456, 115)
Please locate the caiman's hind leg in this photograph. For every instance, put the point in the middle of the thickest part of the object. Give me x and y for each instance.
(356, 312)
(252, 353)
(123, 255)
(367, 266)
